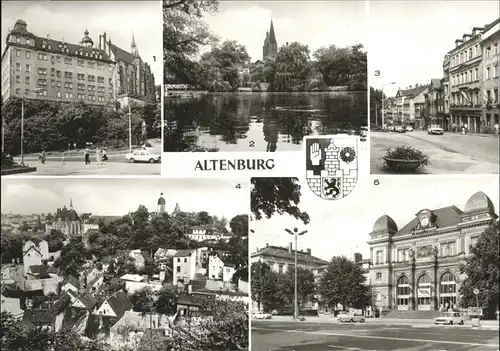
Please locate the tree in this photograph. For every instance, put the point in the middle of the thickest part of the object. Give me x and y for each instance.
(262, 284)
(276, 195)
(343, 282)
(143, 300)
(306, 288)
(482, 272)
(184, 33)
(289, 70)
(166, 302)
(72, 257)
(375, 106)
(239, 225)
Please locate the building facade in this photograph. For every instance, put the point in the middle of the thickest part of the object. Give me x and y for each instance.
(43, 68)
(434, 105)
(184, 266)
(416, 267)
(409, 106)
(473, 72)
(68, 222)
(270, 48)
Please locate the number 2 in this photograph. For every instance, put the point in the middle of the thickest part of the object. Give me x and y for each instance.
(251, 143)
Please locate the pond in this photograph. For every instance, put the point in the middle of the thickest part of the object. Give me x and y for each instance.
(254, 121)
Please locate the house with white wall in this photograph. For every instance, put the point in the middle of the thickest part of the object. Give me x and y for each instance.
(215, 267)
(115, 305)
(184, 266)
(227, 272)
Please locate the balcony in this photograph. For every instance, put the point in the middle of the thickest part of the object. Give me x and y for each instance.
(466, 107)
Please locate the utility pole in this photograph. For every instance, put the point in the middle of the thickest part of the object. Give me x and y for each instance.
(129, 128)
(295, 233)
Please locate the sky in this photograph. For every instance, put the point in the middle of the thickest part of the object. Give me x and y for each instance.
(409, 39)
(111, 196)
(342, 227)
(70, 19)
(315, 23)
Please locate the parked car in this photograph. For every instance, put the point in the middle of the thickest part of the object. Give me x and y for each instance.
(399, 129)
(350, 317)
(262, 315)
(449, 318)
(435, 129)
(409, 128)
(143, 155)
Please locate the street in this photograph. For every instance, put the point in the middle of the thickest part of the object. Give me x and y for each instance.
(302, 336)
(75, 165)
(448, 153)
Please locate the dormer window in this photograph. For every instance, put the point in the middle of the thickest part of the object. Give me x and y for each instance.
(18, 39)
(86, 54)
(60, 45)
(100, 56)
(28, 42)
(43, 45)
(49, 47)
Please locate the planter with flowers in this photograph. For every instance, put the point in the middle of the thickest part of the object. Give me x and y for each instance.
(403, 159)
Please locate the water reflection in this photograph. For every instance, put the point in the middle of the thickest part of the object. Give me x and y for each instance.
(259, 121)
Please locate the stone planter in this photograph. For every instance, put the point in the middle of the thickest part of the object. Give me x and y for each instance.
(402, 165)
(17, 170)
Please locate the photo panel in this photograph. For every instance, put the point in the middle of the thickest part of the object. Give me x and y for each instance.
(140, 263)
(238, 93)
(376, 269)
(434, 111)
(81, 88)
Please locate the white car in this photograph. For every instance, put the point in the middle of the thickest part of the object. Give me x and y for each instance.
(350, 317)
(261, 315)
(409, 128)
(449, 318)
(143, 155)
(435, 129)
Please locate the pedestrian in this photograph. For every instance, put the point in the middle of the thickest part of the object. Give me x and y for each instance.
(104, 156)
(87, 156)
(63, 158)
(465, 127)
(43, 157)
(98, 158)
(496, 128)
(454, 128)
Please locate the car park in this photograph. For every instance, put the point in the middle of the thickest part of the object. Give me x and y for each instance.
(435, 129)
(449, 318)
(143, 155)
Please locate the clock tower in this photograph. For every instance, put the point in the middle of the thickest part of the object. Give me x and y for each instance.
(425, 219)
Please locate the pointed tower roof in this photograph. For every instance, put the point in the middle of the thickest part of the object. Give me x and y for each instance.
(272, 36)
(177, 209)
(70, 202)
(133, 41)
(161, 199)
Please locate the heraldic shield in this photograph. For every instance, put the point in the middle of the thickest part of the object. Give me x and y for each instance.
(332, 165)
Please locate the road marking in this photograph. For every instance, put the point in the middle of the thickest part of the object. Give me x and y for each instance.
(349, 348)
(378, 337)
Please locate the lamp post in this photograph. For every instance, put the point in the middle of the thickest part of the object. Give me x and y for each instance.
(22, 125)
(383, 112)
(295, 233)
(129, 128)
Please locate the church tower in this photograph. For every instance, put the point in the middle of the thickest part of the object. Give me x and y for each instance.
(270, 47)
(161, 205)
(133, 47)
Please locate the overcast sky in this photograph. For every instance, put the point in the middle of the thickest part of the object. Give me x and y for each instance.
(102, 196)
(339, 227)
(408, 39)
(315, 23)
(70, 19)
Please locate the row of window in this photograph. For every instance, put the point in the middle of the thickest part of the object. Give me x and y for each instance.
(473, 52)
(67, 60)
(474, 97)
(69, 95)
(490, 72)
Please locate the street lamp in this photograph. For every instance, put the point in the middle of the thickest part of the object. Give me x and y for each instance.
(383, 101)
(129, 128)
(295, 233)
(22, 124)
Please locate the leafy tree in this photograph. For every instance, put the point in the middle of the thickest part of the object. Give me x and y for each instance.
(166, 302)
(289, 70)
(113, 285)
(306, 287)
(239, 225)
(184, 32)
(24, 227)
(204, 218)
(263, 284)
(72, 257)
(375, 106)
(482, 272)
(276, 195)
(143, 300)
(12, 245)
(343, 282)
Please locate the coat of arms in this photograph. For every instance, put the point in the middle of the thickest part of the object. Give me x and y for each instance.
(332, 165)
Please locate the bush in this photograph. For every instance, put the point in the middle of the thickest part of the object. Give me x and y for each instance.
(488, 130)
(404, 152)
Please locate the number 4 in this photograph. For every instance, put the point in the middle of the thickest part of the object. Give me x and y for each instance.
(238, 186)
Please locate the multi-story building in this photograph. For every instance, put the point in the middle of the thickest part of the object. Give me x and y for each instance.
(184, 266)
(43, 68)
(409, 106)
(434, 105)
(473, 73)
(270, 48)
(417, 267)
(445, 82)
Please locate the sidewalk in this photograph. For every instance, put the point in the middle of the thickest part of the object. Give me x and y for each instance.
(328, 319)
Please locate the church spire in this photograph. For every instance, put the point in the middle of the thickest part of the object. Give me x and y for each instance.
(70, 202)
(272, 36)
(133, 46)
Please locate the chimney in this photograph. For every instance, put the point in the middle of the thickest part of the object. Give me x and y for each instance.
(267, 245)
(410, 87)
(290, 248)
(190, 288)
(309, 252)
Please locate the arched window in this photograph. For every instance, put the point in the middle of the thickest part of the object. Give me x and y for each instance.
(424, 292)
(403, 292)
(447, 290)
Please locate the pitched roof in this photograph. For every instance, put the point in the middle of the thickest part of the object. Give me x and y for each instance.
(61, 304)
(39, 271)
(72, 280)
(410, 93)
(445, 217)
(142, 322)
(165, 252)
(183, 253)
(120, 303)
(276, 251)
(194, 299)
(133, 277)
(122, 55)
(38, 316)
